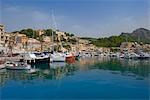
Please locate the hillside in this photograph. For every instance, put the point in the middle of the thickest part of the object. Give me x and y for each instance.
(138, 35)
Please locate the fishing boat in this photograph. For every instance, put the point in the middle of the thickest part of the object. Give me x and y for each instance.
(14, 65)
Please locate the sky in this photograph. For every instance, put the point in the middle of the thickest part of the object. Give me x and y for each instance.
(86, 18)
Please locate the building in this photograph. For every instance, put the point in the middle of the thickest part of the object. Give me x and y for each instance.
(33, 45)
(21, 38)
(2, 34)
(83, 41)
(20, 41)
(146, 47)
(128, 46)
(61, 35)
(39, 32)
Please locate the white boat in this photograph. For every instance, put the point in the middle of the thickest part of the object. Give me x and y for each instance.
(58, 57)
(17, 65)
(131, 55)
(143, 55)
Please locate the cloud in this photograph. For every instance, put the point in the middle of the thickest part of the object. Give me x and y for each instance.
(17, 18)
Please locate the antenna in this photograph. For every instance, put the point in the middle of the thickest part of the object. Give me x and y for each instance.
(55, 27)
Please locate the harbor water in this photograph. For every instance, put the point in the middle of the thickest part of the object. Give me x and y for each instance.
(88, 78)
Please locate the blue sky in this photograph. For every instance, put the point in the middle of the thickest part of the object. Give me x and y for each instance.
(90, 18)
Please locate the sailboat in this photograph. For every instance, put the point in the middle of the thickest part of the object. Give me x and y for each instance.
(56, 57)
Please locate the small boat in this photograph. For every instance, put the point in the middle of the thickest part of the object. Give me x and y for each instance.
(13, 65)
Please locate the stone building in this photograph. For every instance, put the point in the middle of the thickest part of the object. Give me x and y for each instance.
(129, 46)
(33, 45)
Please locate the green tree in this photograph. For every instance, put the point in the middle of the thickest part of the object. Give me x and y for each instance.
(29, 32)
(48, 32)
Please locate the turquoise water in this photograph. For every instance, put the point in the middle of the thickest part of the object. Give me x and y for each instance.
(89, 78)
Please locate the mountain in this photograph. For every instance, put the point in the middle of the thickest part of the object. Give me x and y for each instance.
(138, 35)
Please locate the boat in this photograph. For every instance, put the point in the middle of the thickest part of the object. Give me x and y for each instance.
(77, 56)
(143, 55)
(70, 55)
(58, 57)
(37, 57)
(131, 55)
(14, 65)
(113, 54)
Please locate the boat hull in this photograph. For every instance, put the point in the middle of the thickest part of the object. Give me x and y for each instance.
(18, 67)
(37, 61)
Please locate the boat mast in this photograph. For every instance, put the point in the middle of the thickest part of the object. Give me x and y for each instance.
(53, 20)
(55, 28)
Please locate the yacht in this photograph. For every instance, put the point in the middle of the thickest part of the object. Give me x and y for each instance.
(34, 58)
(17, 65)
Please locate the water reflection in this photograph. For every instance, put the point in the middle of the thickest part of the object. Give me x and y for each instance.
(138, 69)
(126, 67)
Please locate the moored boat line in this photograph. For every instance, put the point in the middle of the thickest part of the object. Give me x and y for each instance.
(69, 57)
